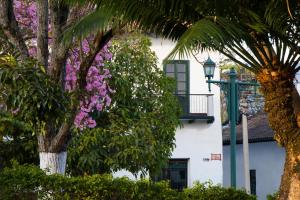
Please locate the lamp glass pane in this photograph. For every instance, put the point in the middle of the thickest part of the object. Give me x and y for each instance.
(209, 70)
(212, 70)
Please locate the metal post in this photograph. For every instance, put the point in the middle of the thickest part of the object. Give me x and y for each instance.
(232, 88)
(246, 154)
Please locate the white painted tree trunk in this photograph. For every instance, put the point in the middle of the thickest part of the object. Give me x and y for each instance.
(53, 162)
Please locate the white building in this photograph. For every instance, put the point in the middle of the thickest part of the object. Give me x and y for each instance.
(266, 158)
(297, 80)
(198, 153)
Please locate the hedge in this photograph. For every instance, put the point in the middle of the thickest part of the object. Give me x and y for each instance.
(29, 182)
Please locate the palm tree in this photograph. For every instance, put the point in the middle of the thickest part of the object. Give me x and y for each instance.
(260, 35)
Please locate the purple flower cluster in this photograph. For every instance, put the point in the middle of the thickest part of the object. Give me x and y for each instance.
(97, 92)
(26, 16)
(96, 85)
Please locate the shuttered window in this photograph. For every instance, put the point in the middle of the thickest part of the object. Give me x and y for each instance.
(179, 70)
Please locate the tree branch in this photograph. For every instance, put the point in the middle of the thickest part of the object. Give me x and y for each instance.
(42, 32)
(99, 42)
(10, 27)
(59, 15)
(59, 142)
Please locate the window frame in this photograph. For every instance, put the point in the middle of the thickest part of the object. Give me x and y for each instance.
(187, 73)
(167, 169)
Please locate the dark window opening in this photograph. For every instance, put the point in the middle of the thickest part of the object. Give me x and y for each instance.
(253, 181)
(179, 70)
(175, 172)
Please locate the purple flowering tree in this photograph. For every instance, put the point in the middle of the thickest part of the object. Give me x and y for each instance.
(35, 29)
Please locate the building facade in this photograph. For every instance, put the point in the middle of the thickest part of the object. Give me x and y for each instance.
(297, 81)
(198, 152)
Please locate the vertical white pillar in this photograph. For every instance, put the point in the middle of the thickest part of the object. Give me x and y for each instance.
(246, 154)
(210, 105)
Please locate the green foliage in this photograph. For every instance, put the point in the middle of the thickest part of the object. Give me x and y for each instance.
(137, 132)
(209, 191)
(273, 196)
(29, 182)
(247, 33)
(99, 19)
(6, 47)
(28, 91)
(168, 18)
(16, 141)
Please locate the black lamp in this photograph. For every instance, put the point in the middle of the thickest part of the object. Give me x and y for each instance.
(209, 69)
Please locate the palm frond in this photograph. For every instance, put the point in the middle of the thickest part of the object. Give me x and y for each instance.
(219, 34)
(276, 16)
(255, 22)
(98, 20)
(169, 18)
(252, 34)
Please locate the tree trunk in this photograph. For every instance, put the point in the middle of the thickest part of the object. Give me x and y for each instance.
(53, 162)
(53, 148)
(10, 28)
(277, 87)
(290, 180)
(42, 32)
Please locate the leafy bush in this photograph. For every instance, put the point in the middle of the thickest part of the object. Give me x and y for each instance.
(211, 192)
(137, 132)
(273, 196)
(16, 141)
(29, 182)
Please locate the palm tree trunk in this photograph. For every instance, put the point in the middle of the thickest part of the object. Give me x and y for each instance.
(278, 87)
(290, 180)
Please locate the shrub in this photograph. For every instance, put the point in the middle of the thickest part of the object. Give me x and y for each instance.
(273, 196)
(29, 182)
(212, 192)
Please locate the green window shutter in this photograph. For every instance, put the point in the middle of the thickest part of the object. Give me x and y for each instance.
(179, 69)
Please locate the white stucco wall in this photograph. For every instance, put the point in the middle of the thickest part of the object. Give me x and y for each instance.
(198, 83)
(196, 140)
(267, 158)
(298, 82)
